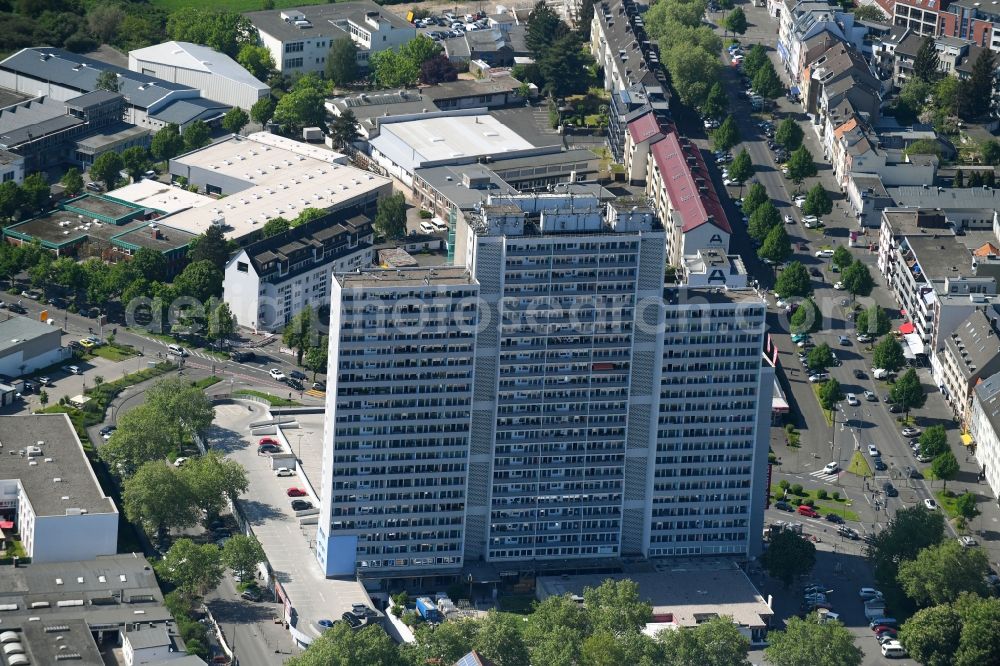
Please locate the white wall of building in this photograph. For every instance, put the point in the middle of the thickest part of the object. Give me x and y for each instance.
(218, 88)
(16, 365)
(69, 538)
(13, 171)
(987, 443)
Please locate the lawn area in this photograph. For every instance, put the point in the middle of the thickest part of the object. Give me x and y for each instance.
(273, 399)
(233, 5)
(824, 506)
(947, 503)
(205, 382)
(113, 352)
(826, 413)
(859, 465)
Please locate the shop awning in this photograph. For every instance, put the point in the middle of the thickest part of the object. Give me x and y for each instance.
(966, 439)
(6, 524)
(914, 342)
(907, 328)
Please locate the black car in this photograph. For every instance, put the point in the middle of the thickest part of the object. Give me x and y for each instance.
(295, 374)
(319, 386)
(352, 620)
(847, 532)
(268, 448)
(859, 373)
(879, 465)
(834, 518)
(889, 490)
(301, 505)
(783, 506)
(241, 356)
(250, 595)
(295, 384)
(14, 307)
(108, 429)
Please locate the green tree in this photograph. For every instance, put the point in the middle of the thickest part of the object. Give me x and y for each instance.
(223, 30)
(931, 635)
(842, 257)
(979, 643)
(72, 181)
(820, 357)
(926, 62)
(196, 135)
(873, 321)
(213, 480)
(420, 49)
(755, 59)
(342, 646)
(167, 143)
(909, 531)
(830, 394)
(135, 161)
(717, 642)
(794, 281)
(200, 280)
(857, 279)
(726, 135)
(940, 573)
(304, 107)
(390, 217)
(221, 323)
(945, 467)
(564, 66)
(788, 556)
(195, 569)
(615, 605)
(817, 200)
(741, 168)
(263, 109)
(776, 246)
(307, 215)
(316, 358)
(736, 22)
(806, 317)
(870, 13)
(990, 152)
(275, 226)
(808, 642)
(801, 166)
(35, 193)
(976, 97)
(933, 441)
(299, 333)
(257, 60)
(158, 499)
(543, 29)
(10, 199)
(716, 102)
(756, 195)
(440, 69)
(888, 354)
(907, 392)
(344, 129)
(763, 220)
(693, 72)
(965, 505)
(947, 93)
(789, 134)
(106, 169)
(143, 435)
(499, 640)
(235, 120)
(107, 80)
(391, 69)
(912, 99)
(446, 643)
(186, 408)
(342, 62)
(766, 82)
(210, 246)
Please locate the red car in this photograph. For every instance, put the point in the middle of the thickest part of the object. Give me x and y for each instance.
(264, 441)
(881, 628)
(808, 511)
(295, 492)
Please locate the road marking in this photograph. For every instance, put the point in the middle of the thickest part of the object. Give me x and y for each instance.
(819, 474)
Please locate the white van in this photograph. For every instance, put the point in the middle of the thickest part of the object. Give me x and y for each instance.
(893, 650)
(177, 350)
(427, 227)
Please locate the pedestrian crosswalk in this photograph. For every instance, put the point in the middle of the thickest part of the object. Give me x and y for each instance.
(823, 476)
(316, 394)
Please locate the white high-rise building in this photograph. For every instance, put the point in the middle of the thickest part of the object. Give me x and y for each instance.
(597, 415)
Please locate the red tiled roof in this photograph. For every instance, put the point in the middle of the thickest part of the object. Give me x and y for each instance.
(643, 127)
(680, 164)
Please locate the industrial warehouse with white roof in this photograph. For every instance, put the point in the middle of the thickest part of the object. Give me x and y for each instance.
(263, 176)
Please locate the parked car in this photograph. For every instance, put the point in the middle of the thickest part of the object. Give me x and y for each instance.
(910, 432)
(848, 533)
(295, 374)
(74, 370)
(824, 254)
(859, 373)
(263, 441)
(319, 386)
(870, 396)
(818, 377)
(17, 308)
(270, 448)
(864, 337)
(807, 511)
(301, 505)
(834, 518)
(276, 375)
(241, 356)
(295, 384)
(250, 595)
(783, 506)
(931, 505)
(295, 492)
(867, 593)
(283, 471)
(967, 542)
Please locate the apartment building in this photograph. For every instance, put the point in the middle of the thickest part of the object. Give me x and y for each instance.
(300, 39)
(631, 65)
(984, 429)
(268, 282)
(573, 408)
(921, 16)
(397, 431)
(968, 355)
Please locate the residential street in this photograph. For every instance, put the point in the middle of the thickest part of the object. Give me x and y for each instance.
(855, 427)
